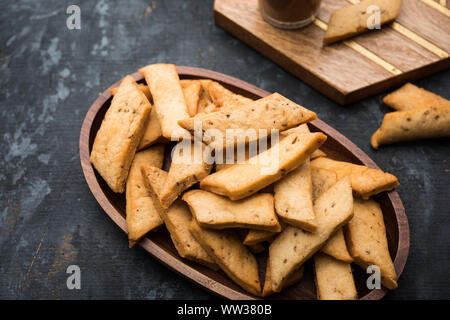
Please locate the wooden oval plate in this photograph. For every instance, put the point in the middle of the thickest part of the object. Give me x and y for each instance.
(159, 243)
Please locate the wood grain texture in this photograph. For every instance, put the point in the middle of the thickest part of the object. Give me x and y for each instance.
(159, 244)
(379, 60)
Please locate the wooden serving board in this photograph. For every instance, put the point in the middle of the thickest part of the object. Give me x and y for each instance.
(417, 44)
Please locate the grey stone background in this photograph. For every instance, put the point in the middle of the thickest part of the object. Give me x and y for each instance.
(49, 76)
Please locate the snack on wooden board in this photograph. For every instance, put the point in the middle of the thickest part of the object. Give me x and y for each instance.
(217, 212)
(414, 124)
(354, 19)
(334, 279)
(234, 258)
(243, 180)
(366, 182)
(367, 242)
(141, 214)
(272, 112)
(120, 133)
(322, 180)
(411, 97)
(177, 219)
(185, 170)
(293, 198)
(294, 246)
(168, 98)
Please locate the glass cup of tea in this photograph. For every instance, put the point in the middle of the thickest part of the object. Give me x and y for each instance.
(289, 14)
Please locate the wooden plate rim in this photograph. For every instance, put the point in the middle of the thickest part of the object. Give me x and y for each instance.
(175, 263)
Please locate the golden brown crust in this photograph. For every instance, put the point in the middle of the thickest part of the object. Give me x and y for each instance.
(120, 133)
(365, 181)
(242, 180)
(231, 255)
(411, 97)
(141, 215)
(259, 117)
(168, 98)
(293, 198)
(213, 211)
(367, 241)
(294, 246)
(414, 124)
(334, 279)
(176, 218)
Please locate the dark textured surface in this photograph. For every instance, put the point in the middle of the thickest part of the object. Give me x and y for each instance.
(49, 76)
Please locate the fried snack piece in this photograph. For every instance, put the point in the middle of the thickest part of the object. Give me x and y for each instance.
(317, 154)
(411, 97)
(366, 182)
(191, 91)
(222, 97)
(145, 90)
(152, 132)
(293, 198)
(353, 19)
(120, 133)
(230, 254)
(336, 247)
(142, 216)
(168, 98)
(257, 236)
(414, 124)
(293, 278)
(177, 219)
(185, 170)
(334, 279)
(250, 121)
(242, 180)
(257, 248)
(367, 242)
(322, 180)
(213, 211)
(294, 246)
(303, 128)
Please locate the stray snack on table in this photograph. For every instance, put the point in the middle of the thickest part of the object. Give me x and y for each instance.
(414, 124)
(120, 132)
(412, 97)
